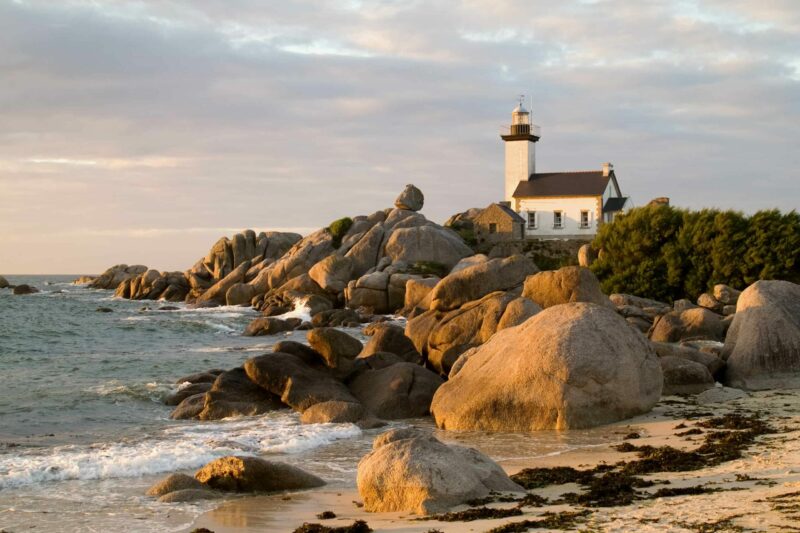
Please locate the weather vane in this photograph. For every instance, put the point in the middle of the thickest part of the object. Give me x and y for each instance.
(521, 99)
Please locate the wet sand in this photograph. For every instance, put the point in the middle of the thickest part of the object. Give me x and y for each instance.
(760, 491)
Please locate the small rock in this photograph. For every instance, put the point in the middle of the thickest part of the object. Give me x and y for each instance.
(175, 482)
(188, 495)
(720, 395)
(411, 199)
(251, 474)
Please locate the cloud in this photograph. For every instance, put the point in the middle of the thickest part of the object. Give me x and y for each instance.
(207, 114)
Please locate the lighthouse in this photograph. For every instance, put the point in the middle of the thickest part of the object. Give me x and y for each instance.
(520, 139)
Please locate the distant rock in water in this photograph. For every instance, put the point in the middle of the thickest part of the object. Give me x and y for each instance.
(25, 289)
(3, 283)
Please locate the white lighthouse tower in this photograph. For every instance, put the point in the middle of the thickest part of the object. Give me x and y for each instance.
(520, 139)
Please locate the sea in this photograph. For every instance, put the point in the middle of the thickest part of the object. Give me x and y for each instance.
(84, 430)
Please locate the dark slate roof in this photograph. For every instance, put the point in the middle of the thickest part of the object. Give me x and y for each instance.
(588, 183)
(514, 216)
(615, 204)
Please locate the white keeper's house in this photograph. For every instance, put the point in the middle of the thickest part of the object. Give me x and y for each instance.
(555, 205)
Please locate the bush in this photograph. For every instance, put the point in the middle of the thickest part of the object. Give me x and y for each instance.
(666, 253)
(338, 229)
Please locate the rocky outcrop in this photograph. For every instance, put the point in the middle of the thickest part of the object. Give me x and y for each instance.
(411, 198)
(153, 285)
(251, 474)
(115, 275)
(697, 323)
(410, 471)
(227, 254)
(3, 283)
(571, 366)
(402, 390)
(762, 347)
(365, 262)
(476, 281)
(565, 285)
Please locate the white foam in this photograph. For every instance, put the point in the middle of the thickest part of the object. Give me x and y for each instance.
(179, 447)
(301, 310)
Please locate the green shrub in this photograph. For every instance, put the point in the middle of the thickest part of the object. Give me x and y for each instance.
(667, 253)
(338, 229)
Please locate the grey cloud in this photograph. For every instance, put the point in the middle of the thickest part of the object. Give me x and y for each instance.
(694, 100)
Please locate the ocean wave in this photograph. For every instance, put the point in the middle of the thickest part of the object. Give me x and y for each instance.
(176, 448)
(139, 391)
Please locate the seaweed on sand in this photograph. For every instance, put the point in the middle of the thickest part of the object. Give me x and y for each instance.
(562, 521)
(613, 485)
(534, 478)
(359, 526)
(476, 513)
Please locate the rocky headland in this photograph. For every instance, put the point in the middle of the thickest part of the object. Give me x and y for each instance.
(478, 342)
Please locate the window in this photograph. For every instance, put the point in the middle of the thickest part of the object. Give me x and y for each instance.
(492, 227)
(531, 219)
(584, 219)
(558, 220)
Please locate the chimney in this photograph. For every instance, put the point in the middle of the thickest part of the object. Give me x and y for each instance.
(608, 168)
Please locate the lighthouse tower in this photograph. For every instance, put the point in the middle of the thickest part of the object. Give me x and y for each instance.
(520, 139)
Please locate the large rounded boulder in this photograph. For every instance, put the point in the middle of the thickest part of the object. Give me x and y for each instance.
(763, 344)
(426, 244)
(571, 366)
(410, 471)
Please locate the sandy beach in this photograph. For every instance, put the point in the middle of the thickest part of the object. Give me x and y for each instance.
(758, 492)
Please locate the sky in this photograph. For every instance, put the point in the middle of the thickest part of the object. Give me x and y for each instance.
(142, 131)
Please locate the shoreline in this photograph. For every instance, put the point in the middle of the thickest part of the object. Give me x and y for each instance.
(767, 469)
